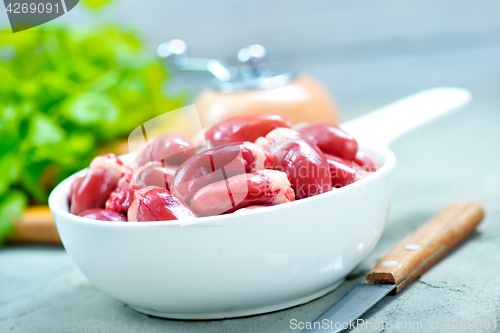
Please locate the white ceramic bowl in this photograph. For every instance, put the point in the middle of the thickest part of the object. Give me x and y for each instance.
(237, 264)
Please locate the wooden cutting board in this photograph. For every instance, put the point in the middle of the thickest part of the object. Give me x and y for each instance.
(36, 226)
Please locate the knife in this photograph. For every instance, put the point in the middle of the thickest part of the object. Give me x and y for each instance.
(416, 253)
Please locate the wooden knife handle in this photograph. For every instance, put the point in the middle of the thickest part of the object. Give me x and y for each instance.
(422, 248)
(36, 226)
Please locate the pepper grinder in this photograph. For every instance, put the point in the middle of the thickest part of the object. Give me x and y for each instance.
(251, 87)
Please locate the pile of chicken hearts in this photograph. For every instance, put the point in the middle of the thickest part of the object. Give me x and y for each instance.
(256, 161)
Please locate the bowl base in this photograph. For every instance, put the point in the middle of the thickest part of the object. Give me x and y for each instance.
(240, 312)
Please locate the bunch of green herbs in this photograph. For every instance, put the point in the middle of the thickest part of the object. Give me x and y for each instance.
(63, 94)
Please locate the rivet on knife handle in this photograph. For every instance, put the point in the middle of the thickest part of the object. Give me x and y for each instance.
(422, 248)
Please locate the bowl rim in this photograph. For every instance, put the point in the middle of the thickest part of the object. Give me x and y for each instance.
(389, 161)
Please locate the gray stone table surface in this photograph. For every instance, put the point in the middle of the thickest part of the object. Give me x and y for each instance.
(457, 44)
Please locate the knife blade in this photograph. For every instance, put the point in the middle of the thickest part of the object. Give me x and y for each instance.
(416, 253)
